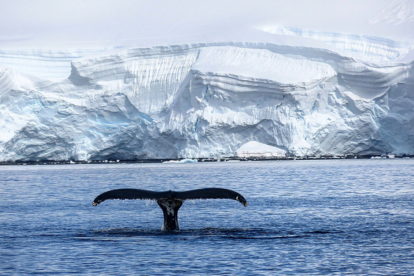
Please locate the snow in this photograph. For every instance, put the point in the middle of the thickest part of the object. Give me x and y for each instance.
(261, 64)
(39, 62)
(396, 12)
(363, 47)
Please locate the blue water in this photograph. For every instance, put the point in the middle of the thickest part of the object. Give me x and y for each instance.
(304, 217)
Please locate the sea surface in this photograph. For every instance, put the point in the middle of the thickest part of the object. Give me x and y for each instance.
(329, 217)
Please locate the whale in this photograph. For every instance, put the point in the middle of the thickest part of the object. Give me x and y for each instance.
(170, 201)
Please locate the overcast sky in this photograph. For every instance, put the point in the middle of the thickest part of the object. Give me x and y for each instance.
(118, 22)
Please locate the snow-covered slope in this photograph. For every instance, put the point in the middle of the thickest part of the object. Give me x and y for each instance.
(206, 100)
(370, 49)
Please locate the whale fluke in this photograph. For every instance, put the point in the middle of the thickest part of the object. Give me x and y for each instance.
(170, 201)
(128, 194)
(207, 193)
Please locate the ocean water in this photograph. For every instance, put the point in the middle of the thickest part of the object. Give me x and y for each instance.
(304, 217)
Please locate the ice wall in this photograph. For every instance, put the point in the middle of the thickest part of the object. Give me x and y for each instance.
(205, 100)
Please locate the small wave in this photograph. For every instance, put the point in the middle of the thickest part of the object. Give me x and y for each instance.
(128, 232)
(190, 234)
(321, 232)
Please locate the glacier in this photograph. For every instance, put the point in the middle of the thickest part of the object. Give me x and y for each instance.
(204, 100)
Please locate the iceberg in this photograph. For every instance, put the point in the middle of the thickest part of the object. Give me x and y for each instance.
(256, 149)
(182, 161)
(206, 100)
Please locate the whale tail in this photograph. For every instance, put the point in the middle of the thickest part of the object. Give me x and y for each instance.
(170, 201)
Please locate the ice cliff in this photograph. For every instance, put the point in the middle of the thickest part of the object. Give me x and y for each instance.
(206, 100)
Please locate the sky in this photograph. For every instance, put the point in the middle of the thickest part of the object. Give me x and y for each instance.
(128, 22)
